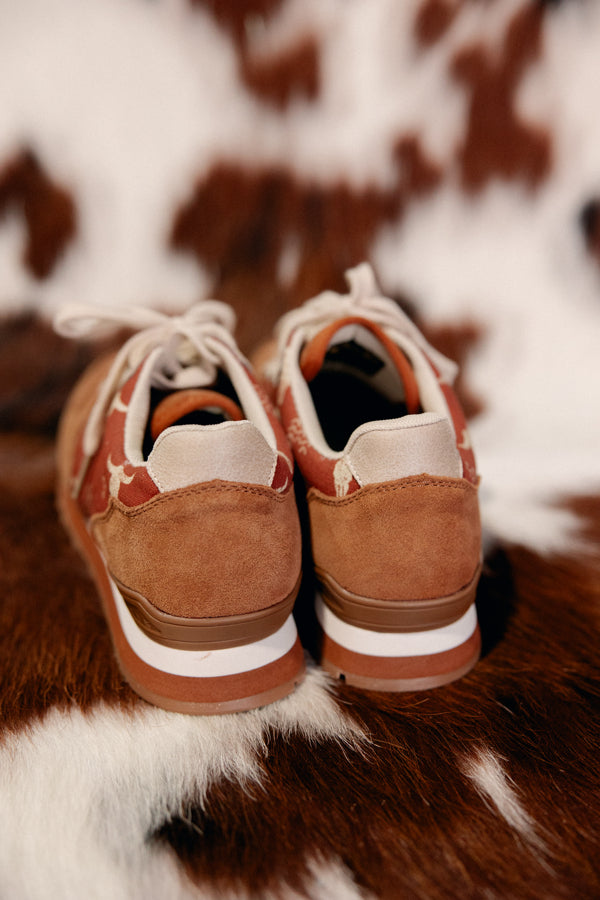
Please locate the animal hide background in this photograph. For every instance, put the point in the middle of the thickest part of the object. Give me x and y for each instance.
(159, 152)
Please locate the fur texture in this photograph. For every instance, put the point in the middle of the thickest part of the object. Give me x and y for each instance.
(253, 151)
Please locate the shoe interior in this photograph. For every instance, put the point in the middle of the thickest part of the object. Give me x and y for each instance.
(355, 385)
(208, 416)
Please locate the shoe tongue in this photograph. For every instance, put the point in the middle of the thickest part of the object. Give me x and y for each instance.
(314, 352)
(181, 403)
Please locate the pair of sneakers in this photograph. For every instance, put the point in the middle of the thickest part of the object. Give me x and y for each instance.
(175, 481)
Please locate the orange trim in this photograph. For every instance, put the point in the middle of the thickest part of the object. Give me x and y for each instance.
(180, 403)
(313, 354)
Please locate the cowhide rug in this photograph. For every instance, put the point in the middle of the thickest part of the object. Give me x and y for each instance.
(159, 152)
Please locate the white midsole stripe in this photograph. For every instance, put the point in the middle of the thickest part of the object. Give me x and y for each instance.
(204, 663)
(397, 644)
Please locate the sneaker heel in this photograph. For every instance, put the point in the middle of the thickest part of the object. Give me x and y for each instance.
(195, 682)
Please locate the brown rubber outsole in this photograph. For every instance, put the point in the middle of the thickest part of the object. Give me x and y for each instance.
(399, 674)
(217, 633)
(396, 615)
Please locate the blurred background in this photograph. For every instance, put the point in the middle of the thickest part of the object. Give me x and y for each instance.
(160, 151)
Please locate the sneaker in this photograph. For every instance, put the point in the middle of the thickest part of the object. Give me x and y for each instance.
(381, 442)
(175, 483)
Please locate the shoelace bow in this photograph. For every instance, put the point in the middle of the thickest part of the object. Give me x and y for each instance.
(363, 299)
(194, 337)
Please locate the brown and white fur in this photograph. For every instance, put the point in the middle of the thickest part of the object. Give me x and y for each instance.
(156, 153)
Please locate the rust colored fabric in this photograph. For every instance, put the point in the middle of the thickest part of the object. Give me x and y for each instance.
(412, 539)
(76, 413)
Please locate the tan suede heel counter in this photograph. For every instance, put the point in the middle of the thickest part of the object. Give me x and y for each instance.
(215, 549)
(412, 539)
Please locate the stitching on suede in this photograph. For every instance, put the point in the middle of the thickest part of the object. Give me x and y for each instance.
(316, 495)
(131, 512)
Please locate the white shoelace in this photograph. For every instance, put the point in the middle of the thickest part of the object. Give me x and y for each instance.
(195, 337)
(364, 299)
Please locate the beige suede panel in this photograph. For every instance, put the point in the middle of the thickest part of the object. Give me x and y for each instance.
(412, 539)
(214, 549)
